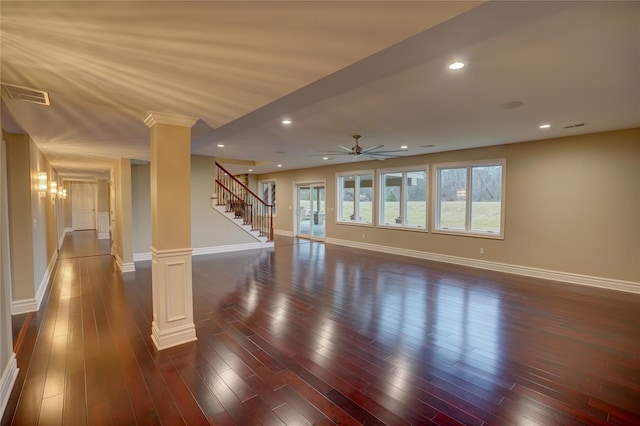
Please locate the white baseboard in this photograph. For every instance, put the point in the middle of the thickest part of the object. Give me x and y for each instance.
(283, 232)
(67, 230)
(140, 257)
(606, 283)
(7, 380)
(125, 267)
(198, 251)
(44, 283)
(61, 239)
(172, 337)
(33, 305)
(226, 249)
(23, 306)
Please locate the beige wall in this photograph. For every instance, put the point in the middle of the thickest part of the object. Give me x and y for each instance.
(572, 205)
(208, 227)
(67, 211)
(103, 196)
(170, 183)
(6, 339)
(122, 241)
(44, 209)
(20, 217)
(32, 218)
(43, 213)
(141, 208)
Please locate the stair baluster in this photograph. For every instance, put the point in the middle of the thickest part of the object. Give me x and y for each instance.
(244, 203)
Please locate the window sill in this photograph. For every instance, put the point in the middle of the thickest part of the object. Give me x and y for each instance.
(461, 233)
(412, 228)
(364, 224)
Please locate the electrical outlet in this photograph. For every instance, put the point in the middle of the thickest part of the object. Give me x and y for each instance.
(481, 250)
(362, 235)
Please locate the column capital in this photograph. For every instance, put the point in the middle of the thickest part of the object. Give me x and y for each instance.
(164, 118)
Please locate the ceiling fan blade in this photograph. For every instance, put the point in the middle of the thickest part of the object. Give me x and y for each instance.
(374, 157)
(386, 151)
(346, 149)
(371, 148)
(325, 153)
(354, 158)
(380, 154)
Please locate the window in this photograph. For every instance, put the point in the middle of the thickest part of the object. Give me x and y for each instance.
(267, 190)
(403, 198)
(355, 198)
(470, 198)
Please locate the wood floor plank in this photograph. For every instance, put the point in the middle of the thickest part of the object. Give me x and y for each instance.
(308, 333)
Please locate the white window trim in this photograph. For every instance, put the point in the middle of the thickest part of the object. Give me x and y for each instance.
(405, 169)
(338, 219)
(436, 198)
(260, 182)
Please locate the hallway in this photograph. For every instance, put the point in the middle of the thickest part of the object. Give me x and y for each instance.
(320, 334)
(83, 244)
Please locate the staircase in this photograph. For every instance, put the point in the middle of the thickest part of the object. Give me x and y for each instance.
(244, 208)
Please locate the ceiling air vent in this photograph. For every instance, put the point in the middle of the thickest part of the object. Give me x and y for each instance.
(25, 94)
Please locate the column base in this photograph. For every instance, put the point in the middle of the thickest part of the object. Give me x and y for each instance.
(172, 323)
(172, 337)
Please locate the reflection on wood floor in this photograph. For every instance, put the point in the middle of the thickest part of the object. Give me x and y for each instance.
(84, 243)
(308, 333)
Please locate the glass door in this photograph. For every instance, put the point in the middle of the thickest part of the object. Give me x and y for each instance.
(310, 211)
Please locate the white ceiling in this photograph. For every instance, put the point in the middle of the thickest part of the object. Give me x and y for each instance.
(334, 68)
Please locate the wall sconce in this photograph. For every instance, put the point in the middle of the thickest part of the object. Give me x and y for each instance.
(42, 181)
(62, 194)
(53, 188)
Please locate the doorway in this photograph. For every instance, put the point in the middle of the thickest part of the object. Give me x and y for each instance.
(310, 211)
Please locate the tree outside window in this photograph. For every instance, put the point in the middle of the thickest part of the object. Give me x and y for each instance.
(355, 198)
(470, 198)
(404, 198)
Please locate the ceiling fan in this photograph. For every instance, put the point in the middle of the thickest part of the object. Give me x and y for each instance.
(357, 151)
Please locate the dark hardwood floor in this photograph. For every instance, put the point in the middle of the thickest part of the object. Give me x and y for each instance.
(315, 334)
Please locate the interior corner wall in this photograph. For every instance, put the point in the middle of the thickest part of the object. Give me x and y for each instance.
(141, 207)
(572, 206)
(123, 239)
(208, 227)
(67, 219)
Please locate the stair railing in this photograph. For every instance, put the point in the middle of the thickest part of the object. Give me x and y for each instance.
(244, 203)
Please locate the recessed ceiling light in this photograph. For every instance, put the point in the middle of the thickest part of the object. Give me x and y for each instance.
(404, 146)
(220, 145)
(250, 170)
(545, 126)
(325, 158)
(286, 121)
(456, 65)
(279, 165)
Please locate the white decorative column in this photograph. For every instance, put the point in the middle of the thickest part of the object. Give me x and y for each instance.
(171, 229)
